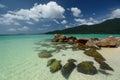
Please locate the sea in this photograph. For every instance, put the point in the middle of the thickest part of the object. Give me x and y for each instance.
(19, 58)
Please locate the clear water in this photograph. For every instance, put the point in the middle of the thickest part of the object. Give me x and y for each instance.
(19, 60)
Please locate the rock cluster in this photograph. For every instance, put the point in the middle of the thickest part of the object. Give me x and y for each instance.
(85, 43)
(90, 47)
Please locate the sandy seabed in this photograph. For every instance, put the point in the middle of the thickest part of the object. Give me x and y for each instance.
(34, 68)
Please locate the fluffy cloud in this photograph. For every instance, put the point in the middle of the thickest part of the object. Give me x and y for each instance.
(115, 13)
(2, 6)
(76, 12)
(89, 21)
(50, 10)
(64, 22)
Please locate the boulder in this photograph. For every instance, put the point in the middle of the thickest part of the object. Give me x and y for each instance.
(82, 41)
(50, 62)
(58, 38)
(81, 46)
(55, 66)
(71, 40)
(103, 65)
(107, 42)
(86, 67)
(72, 60)
(67, 69)
(44, 54)
(93, 53)
(92, 43)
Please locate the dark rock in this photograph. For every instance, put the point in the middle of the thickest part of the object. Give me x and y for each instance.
(86, 67)
(103, 65)
(82, 41)
(44, 54)
(63, 54)
(55, 66)
(93, 53)
(50, 62)
(81, 46)
(72, 60)
(67, 69)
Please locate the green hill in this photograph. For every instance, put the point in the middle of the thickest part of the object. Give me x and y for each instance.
(111, 26)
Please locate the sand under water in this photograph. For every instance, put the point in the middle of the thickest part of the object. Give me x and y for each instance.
(19, 61)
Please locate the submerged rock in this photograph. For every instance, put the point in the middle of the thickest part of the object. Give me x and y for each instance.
(72, 60)
(55, 66)
(50, 62)
(44, 54)
(67, 69)
(93, 53)
(86, 67)
(103, 65)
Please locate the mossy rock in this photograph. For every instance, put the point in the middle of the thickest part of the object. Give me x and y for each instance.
(93, 53)
(55, 66)
(87, 67)
(103, 65)
(50, 62)
(71, 60)
(44, 54)
(67, 69)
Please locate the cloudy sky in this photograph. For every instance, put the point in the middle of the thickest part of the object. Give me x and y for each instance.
(39, 16)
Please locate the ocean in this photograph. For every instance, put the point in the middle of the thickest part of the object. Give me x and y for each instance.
(19, 59)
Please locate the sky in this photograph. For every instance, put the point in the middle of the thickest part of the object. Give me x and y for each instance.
(40, 16)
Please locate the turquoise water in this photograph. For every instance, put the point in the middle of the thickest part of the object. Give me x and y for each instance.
(18, 56)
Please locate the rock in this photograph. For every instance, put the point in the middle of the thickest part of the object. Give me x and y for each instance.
(44, 54)
(55, 66)
(108, 42)
(67, 69)
(93, 53)
(81, 46)
(71, 40)
(103, 65)
(58, 38)
(72, 60)
(82, 41)
(50, 62)
(86, 67)
(91, 43)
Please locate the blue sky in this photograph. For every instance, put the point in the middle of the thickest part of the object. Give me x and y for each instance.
(39, 16)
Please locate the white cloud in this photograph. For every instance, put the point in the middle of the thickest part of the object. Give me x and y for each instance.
(76, 12)
(64, 22)
(50, 10)
(67, 26)
(89, 21)
(2, 6)
(11, 29)
(24, 28)
(115, 13)
(56, 21)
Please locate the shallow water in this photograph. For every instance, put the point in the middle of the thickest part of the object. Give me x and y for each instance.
(19, 60)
